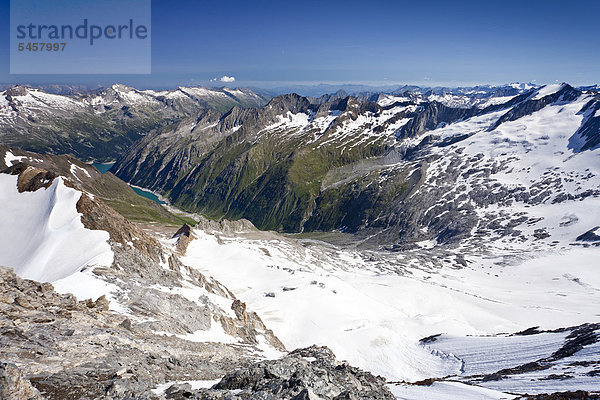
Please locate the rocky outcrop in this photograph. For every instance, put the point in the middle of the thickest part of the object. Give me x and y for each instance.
(431, 116)
(184, 236)
(305, 374)
(590, 236)
(31, 178)
(96, 215)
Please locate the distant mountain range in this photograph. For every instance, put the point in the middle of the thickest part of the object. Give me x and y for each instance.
(101, 125)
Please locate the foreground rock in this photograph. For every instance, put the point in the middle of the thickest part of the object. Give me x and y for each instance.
(77, 349)
(158, 321)
(304, 374)
(69, 349)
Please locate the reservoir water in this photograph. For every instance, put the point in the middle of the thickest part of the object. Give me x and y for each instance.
(147, 194)
(103, 168)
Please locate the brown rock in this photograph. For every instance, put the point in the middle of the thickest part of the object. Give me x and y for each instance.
(102, 303)
(23, 302)
(7, 298)
(240, 310)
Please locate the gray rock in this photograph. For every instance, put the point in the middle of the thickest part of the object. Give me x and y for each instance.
(304, 374)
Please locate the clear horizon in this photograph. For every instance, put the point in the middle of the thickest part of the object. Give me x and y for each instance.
(280, 87)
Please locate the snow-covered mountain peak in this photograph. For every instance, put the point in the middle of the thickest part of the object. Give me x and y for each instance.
(550, 89)
(119, 87)
(523, 86)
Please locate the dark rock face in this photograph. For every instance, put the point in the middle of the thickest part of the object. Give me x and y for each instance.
(184, 237)
(589, 236)
(304, 374)
(432, 116)
(185, 230)
(588, 135)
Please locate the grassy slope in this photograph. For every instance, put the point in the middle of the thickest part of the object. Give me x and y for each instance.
(119, 196)
(275, 182)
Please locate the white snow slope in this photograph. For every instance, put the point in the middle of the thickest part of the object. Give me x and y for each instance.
(41, 233)
(374, 318)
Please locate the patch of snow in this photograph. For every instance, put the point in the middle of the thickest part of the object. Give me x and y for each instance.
(160, 389)
(10, 158)
(86, 285)
(386, 100)
(216, 333)
(446, 391)
(494, 101)
(522, 86)
(76, 169)
(200, 92)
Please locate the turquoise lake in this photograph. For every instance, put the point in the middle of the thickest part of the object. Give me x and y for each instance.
(148, 195)
(103, 168)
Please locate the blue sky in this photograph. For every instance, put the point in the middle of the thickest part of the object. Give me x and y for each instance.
(271, 43)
